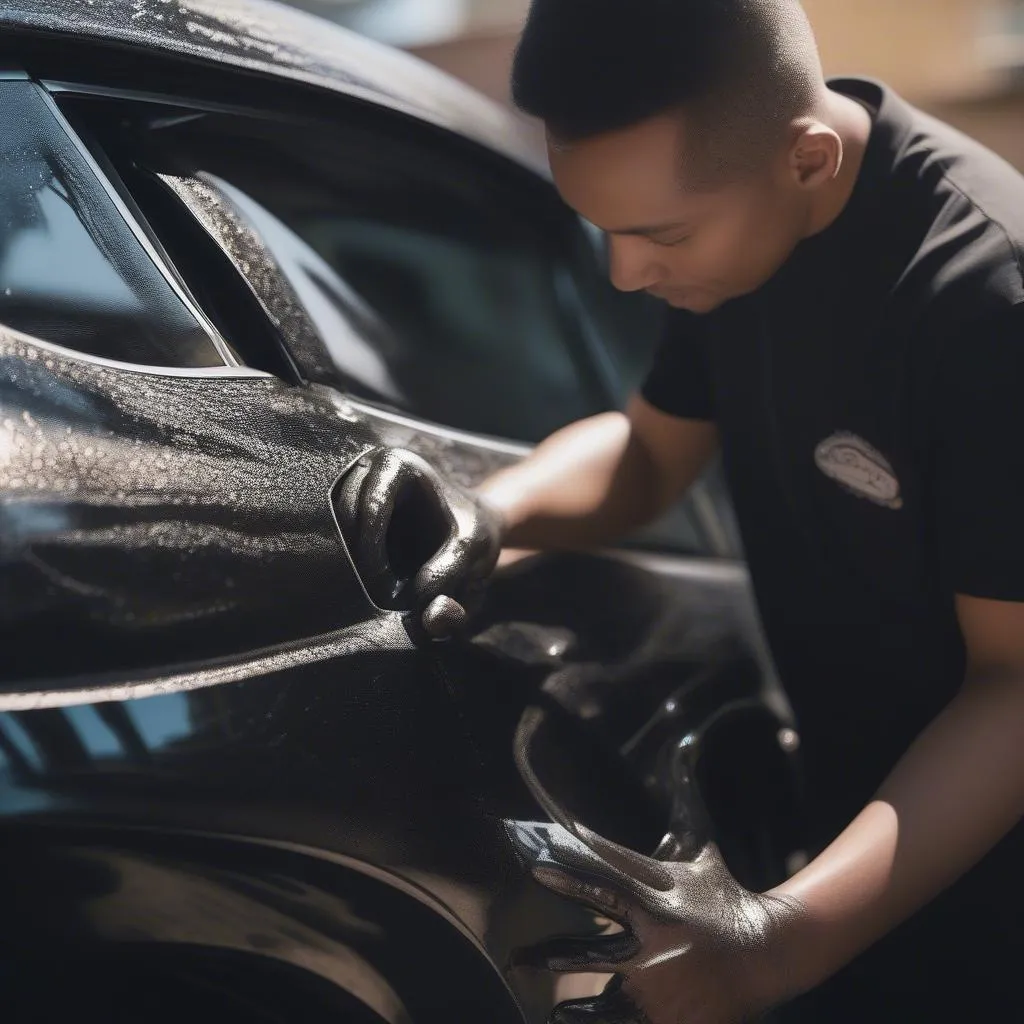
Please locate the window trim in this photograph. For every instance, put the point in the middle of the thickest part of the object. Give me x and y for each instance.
(232, 372)
(154, 253)
(183, 189)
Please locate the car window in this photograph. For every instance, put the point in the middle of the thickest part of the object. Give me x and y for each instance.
(71, 269)
(538, 336)
(477, 286)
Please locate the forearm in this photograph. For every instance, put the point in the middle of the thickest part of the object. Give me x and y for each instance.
(587, 485)
(957, 792)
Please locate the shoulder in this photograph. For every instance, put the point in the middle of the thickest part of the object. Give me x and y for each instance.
(969, 266)
(983, 358)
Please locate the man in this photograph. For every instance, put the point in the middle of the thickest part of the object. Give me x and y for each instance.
(847, 277)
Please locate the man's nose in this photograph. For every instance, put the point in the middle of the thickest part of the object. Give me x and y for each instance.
(631, 265)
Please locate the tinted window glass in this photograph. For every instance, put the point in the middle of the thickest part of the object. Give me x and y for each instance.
(473, 279)
(71, 270)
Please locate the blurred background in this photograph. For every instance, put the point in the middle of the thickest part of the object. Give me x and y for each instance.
(960, 59)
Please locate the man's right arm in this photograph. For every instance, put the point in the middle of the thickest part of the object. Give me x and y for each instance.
(598, 480)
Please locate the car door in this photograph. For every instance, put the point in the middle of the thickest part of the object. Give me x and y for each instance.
(458, 307)
(227, 777)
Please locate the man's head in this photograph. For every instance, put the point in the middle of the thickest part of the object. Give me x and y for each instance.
(689, 130)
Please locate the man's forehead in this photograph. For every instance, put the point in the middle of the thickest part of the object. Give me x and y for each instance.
(624, 190)
(665, 133)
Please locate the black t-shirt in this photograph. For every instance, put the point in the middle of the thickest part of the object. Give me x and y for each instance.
(870, 401)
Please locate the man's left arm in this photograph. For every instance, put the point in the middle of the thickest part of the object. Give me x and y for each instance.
(960, 788)
(955, 794)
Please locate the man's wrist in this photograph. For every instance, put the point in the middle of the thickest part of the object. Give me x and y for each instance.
(795, 961)
(497, 508)
(781, 968)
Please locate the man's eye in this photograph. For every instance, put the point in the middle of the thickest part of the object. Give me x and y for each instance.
(668, 243)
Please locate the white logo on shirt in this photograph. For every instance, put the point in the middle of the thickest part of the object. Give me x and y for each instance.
(855, 465)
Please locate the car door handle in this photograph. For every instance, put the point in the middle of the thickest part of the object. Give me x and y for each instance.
(420, 543)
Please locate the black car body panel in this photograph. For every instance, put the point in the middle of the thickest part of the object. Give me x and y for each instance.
(230, 784)
(269, 39)
(151, 513)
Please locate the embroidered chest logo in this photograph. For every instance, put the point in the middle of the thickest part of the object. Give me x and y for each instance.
(861, 469)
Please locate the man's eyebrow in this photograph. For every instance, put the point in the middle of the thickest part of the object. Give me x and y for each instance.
(652, 229)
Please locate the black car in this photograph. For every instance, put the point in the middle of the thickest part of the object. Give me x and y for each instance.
(242, 253)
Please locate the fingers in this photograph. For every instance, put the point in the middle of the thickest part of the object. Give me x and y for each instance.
(378, 490)
(632, 865)
(561, 863)
(439, 576)
(589, 891)
(635, 865)
(443, 618)
(604, 954)
(612, 1007)
(467, 557)
(552, 847)
(394, 508)
(364, 525)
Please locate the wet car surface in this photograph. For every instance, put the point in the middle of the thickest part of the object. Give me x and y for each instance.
(240, 252)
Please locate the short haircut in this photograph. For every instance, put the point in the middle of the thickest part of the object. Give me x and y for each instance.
(740, 71)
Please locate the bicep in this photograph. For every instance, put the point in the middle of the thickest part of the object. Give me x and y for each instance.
(978, 466)
(993, 633)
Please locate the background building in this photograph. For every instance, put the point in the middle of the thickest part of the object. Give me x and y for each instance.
(961, 59)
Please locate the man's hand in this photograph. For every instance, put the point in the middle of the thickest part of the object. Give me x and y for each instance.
(695, 946)
(954, 795)
(698, 949)
(421, 542)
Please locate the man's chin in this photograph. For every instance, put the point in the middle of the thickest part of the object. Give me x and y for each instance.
(693, 302)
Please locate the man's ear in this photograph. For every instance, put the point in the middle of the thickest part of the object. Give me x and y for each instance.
(815, 156)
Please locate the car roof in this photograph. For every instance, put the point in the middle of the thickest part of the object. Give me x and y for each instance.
(267, 38)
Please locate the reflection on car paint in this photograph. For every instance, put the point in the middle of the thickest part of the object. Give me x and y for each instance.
(96, 735)
(161, 720)
(183, 513)
(18, 745)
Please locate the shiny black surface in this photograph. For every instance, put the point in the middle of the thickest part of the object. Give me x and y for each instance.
(152, 519)
(230, 784)
(398, 758)
(270, 39)
(279, 295)
(418, 541)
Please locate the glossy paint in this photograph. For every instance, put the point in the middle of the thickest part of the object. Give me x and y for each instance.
(243, 815)
(219, 755)
(209, 201)
(147, 515)
(272, 40)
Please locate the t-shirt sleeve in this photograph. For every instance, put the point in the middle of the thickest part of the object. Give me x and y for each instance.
(979, 459)
(679, 381)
